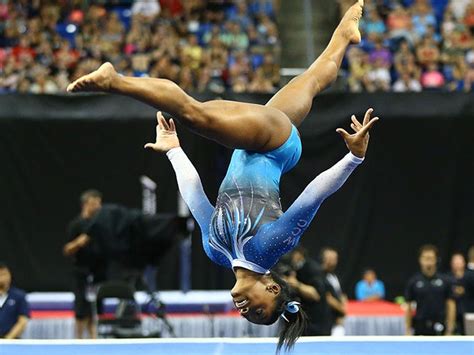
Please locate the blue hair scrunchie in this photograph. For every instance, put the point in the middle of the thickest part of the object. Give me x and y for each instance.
(293, 307)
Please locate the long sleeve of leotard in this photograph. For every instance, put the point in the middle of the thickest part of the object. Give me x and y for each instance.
(190, 187)
(331, 180)
(279, 237)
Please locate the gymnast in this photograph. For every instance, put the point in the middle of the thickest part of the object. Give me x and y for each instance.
(246, 230)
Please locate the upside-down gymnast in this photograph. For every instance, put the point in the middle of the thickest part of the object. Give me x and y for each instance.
(246, 230)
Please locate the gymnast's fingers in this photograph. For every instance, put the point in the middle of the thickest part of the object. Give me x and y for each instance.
(356, 122)
(367, 115)
(172, 125)
(368, 126)
(164, 124)
(355, 128)
(343, 133)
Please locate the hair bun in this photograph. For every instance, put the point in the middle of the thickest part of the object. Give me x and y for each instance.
(293, 306)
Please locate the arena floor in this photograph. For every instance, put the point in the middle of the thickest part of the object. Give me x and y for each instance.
(264, 346)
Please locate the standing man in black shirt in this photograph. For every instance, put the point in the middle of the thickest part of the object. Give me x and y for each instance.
(85, 259)
(458, 270)
(310, 284)
(435, 305)
(335, 297)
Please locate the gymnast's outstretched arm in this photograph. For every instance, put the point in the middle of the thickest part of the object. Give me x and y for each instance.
(291, 225)
(189, 182)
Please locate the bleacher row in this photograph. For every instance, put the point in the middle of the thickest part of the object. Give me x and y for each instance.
(414, 45)
(202, 45)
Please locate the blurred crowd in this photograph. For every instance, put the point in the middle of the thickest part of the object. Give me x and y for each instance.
(202, 45)
(413, 45)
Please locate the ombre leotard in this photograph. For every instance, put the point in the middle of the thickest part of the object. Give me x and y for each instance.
(247, 227)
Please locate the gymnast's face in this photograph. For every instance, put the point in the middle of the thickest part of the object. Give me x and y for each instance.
(256, 302)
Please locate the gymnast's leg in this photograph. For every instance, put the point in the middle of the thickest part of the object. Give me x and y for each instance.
(233, 124)
(296, 98)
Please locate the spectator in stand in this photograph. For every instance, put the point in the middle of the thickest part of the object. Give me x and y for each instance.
(458, 7)
(432, 78)
(373, 25)
(14, 310)
(427, 52)
(369, 288)
(259, 83)
(379, 76)
(406, 83)
(423, 17)
(359, 68)
(469, 17)
(399, 24)
(381, 53)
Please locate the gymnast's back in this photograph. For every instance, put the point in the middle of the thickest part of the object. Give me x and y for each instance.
(249, 197)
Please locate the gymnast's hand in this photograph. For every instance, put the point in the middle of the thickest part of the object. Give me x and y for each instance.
(166, 137)
(359, 141)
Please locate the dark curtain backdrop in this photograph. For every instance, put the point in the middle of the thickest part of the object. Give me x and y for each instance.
(416, 185)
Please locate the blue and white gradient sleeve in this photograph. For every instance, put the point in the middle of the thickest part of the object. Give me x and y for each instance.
(331, 180)
(279, 237)
(190, 187)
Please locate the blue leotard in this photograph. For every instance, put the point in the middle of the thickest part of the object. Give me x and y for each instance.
(247, 227)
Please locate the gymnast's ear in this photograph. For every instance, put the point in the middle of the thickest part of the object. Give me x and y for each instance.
(274, 288)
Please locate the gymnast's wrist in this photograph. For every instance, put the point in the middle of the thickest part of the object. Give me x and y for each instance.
(354, 158)
(174, 152)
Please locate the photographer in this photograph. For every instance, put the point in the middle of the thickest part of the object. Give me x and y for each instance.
(305, 277)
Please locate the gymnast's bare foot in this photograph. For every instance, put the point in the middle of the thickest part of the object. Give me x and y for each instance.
(99, 80)
(349, 25)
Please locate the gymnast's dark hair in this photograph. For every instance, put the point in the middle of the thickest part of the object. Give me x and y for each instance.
(292, 325)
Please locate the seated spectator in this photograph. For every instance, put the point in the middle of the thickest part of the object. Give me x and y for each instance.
(427, 52)
(359, 68)
(233, 37)
(241, 16)
(403, 57)
(449, 23)
(379, 77)
(423, 16)
(373, 24)
(432, 78)
(14, 310)
(369, 288)
(43, 84)
(399, 23)
(381, 53)
(469, 17)
(271, 70)
(193, 52)
(457, 72)
(458, 7)
(146, 8)
(260, 84)
(406, 83)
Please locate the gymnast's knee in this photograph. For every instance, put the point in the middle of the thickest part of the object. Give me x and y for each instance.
(193, 114)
